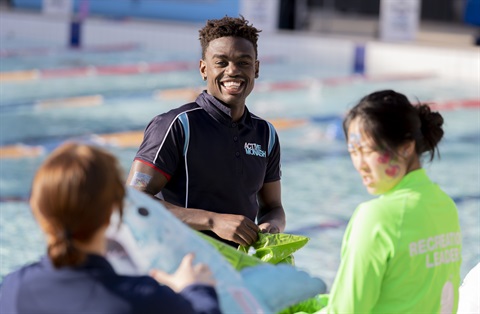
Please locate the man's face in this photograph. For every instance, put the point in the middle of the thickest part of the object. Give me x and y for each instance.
(230, 67)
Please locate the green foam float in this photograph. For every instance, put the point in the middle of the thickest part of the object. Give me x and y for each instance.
(237, 259)
(309, 306)
(273, 248)
(276, 248)
(270, 248)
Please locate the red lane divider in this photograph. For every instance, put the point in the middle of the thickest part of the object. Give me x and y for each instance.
(129, 69)
(80, 101)
(338, 81)
(38, 51)
(122, 69)
(455, 104)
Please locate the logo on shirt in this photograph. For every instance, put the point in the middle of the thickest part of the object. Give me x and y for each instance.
(254, 150)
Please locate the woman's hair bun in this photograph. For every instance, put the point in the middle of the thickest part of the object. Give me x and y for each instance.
(431, 128)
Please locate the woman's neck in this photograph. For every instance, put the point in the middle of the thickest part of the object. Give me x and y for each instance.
(414, 164)
(96, 245)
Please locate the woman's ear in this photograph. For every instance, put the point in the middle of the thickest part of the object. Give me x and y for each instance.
(407, 149)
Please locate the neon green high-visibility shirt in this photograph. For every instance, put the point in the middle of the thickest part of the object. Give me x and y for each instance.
(401, 253)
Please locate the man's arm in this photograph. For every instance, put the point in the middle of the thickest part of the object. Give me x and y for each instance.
(271, 216)
(236, 228)
(148, 179)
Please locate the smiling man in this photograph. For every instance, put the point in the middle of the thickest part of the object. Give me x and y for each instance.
(212, 163)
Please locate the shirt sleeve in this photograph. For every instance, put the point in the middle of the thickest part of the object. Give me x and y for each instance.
(366, 249)
(162, 143)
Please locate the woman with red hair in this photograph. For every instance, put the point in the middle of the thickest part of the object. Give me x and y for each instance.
(74, 193)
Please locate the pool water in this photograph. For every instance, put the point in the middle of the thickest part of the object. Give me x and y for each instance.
(319, 185)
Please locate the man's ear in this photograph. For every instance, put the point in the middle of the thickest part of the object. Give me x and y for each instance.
(202, 67)
(257, 68)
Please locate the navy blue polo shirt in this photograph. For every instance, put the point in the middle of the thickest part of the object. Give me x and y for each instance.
(212, 163)
(95, 288)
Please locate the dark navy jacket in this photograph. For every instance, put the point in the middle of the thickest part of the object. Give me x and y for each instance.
(96, 288)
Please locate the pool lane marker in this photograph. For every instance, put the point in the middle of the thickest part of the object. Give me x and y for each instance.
(286, 86)
(72, 102)
(18, 151)
(132, 139)
(126, 139)
(17, 76)
(455, 104)
(126, 69)
(141, 67)
(42, 51)
(191, 93)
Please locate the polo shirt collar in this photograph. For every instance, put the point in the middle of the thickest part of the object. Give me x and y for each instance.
(412, 179)
(220, 112)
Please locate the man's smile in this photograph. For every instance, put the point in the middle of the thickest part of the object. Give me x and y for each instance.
(232, 86)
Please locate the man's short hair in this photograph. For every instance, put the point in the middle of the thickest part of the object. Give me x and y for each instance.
(228, 27)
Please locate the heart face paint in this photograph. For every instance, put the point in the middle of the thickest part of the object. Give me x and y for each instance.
(393, 169)
(379, 171)
(384, 158)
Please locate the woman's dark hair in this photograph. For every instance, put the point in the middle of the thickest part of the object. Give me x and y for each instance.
(73, 194)
(391, 120)
(228, 27)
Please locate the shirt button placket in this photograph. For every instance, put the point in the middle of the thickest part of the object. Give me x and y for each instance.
(237, 146)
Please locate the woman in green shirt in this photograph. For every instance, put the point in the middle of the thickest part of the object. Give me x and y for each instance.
(401, 251)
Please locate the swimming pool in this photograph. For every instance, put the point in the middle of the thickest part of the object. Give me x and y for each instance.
(320, 186)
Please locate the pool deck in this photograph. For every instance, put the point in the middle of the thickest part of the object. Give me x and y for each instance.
(446, 50)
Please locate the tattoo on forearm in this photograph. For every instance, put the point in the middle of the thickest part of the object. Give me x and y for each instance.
(140, 180)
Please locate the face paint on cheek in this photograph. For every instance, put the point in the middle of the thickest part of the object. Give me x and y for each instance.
(384, 159)
(392, 171)
(140, 180)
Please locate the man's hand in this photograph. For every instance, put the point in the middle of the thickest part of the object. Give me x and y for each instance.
(235, 228)
(269, 227)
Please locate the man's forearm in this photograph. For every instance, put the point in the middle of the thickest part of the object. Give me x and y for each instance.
(275, 216)
(197, 219)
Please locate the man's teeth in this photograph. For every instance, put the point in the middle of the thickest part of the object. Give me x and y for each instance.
(231, 84)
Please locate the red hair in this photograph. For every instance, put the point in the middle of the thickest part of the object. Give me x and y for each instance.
(73, 194)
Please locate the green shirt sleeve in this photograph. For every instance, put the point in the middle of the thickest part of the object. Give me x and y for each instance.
(366, 249)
